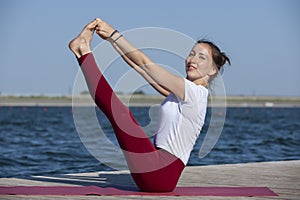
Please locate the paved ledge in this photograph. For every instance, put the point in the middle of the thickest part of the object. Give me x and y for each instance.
(282, 177)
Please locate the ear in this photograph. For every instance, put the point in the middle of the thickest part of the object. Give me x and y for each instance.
(213, 71)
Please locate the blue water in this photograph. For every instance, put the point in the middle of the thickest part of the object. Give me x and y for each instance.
(44, 140)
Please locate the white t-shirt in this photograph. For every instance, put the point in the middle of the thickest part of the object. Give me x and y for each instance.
(180, 121)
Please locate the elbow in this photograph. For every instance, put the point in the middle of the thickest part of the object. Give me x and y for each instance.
(146, 64)
(143, 61)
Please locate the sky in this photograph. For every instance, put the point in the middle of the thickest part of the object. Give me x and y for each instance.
(261, 38)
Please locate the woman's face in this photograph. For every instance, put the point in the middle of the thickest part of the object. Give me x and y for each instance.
(199, 62)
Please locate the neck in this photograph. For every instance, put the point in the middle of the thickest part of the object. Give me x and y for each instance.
(202, 81)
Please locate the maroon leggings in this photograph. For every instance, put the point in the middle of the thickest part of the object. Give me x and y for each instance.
(153, 170)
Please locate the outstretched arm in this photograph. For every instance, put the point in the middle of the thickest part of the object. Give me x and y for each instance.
(156, 86)
(162, 80)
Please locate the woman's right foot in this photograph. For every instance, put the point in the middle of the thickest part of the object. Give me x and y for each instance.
(81, 44)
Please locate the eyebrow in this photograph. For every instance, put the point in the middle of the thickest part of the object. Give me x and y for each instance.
(202, 54)
(199, 53)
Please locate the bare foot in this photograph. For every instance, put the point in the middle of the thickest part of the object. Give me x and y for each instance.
(81, 44)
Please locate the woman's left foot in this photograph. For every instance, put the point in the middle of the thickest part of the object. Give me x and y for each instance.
(81, 44)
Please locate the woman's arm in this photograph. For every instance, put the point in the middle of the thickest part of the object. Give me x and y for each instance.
(157, 87)
(141, 63)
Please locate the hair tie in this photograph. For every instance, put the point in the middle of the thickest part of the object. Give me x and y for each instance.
(115, 31)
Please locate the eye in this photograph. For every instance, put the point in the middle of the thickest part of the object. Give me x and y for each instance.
(202, 57)
(191, 54)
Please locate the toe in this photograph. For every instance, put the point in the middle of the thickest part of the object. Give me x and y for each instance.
(92, 24)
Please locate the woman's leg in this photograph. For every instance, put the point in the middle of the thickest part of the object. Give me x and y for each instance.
(152, 169)
(127, 130)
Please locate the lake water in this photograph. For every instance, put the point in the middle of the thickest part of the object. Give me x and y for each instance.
(44, 140)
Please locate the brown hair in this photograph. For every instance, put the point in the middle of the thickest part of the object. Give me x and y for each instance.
(219, 57)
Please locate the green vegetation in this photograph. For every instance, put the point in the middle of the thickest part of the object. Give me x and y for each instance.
(139, 92)
(140, 98)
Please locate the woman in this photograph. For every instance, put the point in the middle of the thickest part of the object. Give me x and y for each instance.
(154, 168)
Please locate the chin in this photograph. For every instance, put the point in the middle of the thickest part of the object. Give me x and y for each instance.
(193, 77)
(190, 78)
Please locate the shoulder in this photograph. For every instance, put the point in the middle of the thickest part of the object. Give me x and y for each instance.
(194, 92)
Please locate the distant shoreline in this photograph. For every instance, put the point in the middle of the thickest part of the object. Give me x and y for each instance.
(144, 100)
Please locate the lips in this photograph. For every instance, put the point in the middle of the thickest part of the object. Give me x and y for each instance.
(191, 67)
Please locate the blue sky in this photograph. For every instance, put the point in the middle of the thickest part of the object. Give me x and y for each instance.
(261, 38)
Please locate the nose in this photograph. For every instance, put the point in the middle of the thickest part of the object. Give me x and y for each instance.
(193, 59)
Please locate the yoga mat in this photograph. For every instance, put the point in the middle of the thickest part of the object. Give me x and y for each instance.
(95, 190)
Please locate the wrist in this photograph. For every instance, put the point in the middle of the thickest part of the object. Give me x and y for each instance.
(113, 33)
(115, 36)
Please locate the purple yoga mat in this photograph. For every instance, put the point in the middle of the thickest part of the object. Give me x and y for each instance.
(95, 190)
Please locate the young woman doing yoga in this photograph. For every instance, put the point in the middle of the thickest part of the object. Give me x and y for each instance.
(154, 167)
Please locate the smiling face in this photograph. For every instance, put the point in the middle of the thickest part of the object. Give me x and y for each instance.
(199, 63)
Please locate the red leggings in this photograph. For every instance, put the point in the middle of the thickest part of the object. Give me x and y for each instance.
(153, 170)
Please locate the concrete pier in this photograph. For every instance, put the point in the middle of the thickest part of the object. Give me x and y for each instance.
(281, 177)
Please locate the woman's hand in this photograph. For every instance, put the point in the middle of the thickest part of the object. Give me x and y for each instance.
(103, 29)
